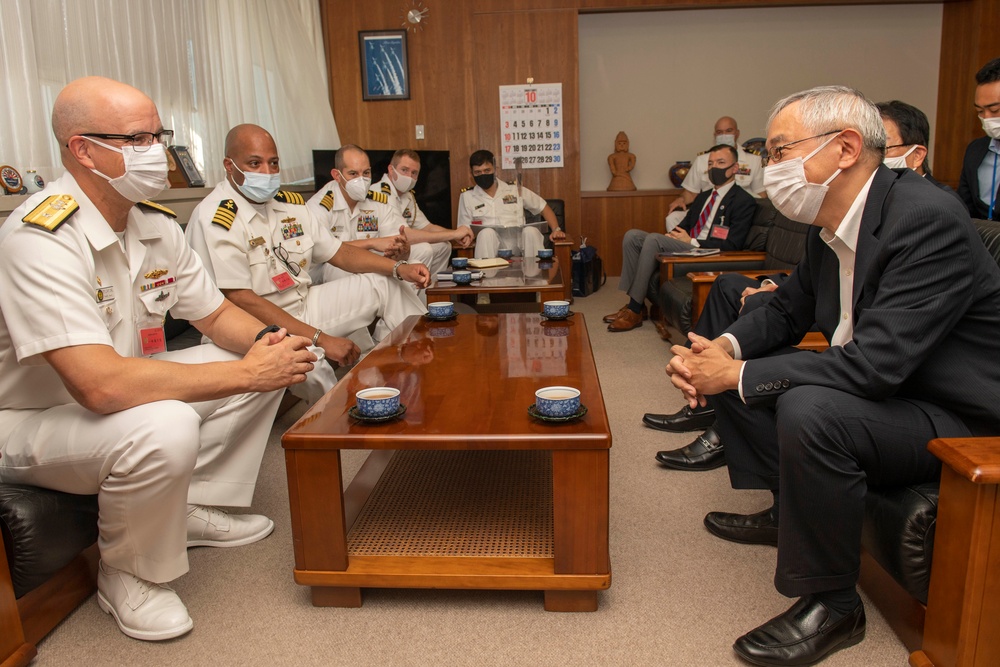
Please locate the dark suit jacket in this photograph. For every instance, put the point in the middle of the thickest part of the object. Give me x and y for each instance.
(968, 183)
(926, 312)
(736, 212)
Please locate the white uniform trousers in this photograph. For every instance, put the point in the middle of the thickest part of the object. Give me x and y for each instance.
(347, 304)
(527, 243)
(435, 256)
(145, 464)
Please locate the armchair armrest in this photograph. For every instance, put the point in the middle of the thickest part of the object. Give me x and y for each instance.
(564, 257)
(962, 624)
(668, 262)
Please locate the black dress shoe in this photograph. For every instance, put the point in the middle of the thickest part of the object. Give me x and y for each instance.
(705, 453)
(684, 419)
(803, 635)
(759, 528)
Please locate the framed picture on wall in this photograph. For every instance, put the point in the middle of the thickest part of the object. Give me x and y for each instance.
(180, 164)
(385, 74)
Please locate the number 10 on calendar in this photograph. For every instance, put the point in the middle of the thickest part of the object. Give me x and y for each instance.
(531, 125)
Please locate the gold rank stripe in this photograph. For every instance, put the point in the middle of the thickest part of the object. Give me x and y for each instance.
(290, 197)
(327, 200)
(152, 205)
(386, 188)
(380, 197)
(224, 218)
(52, 212)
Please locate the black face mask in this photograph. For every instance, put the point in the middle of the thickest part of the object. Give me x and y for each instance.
(718, 175)
(485, 181)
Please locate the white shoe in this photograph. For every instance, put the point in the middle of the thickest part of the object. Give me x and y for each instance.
(142, 609)
(211, 527)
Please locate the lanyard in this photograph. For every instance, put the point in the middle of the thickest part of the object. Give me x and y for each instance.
(993, 188)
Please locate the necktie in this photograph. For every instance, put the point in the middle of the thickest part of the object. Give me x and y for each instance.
(705, 212)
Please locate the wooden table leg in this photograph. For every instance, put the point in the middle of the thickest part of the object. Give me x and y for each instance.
(580, 523)
(319, 532)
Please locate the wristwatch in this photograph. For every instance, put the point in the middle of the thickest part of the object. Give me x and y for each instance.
(274, 328)
(395, 269)
(319, 332)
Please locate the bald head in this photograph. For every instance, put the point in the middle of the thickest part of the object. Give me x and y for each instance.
(247, 137)
(97, 104)
(726, 126)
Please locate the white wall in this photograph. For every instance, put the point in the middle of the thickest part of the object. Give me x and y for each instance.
(665, 77)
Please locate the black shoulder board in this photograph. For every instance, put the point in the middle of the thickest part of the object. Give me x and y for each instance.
(52, 212)
(327, 200)
(225, 214)
(386, 188)
(467, 189)
(159, 208)
(290, 197)
(380, 197)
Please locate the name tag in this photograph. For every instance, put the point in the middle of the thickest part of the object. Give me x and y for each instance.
(282, 281)
(152, 341)
(719, 232)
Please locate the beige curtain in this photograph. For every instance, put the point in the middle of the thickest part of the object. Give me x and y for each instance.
(208, 65)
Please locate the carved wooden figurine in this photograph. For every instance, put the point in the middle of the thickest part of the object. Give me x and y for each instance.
(621, 163)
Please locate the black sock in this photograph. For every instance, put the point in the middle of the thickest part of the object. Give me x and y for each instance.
(840, 602)
(634, 306)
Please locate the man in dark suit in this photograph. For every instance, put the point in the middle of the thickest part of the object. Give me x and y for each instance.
(979, 184)
(733, 295)
(897, 279)
(717, 218)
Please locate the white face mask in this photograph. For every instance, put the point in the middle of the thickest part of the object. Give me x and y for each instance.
(145, 171)
(791, 192)
(991, 126)
(357, 188)
(899, 162)
(725, 139)
(258, 187)
(403, 182)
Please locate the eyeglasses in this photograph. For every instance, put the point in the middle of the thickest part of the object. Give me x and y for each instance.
(282, 254)
(774, 154)
(141, 141)
(898, 146)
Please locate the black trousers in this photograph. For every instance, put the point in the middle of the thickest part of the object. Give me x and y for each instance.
(822, 448)
(723, 306)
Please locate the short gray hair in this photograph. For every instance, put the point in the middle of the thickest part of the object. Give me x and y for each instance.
(829, 108)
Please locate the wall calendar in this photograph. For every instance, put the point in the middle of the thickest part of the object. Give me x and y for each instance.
(531, 125)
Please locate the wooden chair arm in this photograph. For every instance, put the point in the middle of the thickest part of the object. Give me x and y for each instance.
(667, 262)
(975, 459)
(564, 257)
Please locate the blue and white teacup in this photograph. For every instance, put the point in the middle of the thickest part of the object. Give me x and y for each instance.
(441, 309)
(557, 401)
(555, 309)
(462, 277)
(545, 253)
(459, 262)
(505, 253)
(378, 401)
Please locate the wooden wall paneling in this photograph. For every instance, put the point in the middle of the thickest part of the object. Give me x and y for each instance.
(543, 45)
(970, 37)
(606, 218)
(648, 5)
(441, 84)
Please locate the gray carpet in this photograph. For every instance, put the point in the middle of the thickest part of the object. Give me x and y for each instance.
(679, 596)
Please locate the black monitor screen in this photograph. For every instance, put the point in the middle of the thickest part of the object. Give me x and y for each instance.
(433, 189)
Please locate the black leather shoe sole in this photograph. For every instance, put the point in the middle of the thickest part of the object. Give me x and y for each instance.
(801, 636)
(757, 528)
(680, 422)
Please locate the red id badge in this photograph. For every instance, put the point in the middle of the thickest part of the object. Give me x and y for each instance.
(152, 341)
(719, 232)
(282, 281)
(477, 222)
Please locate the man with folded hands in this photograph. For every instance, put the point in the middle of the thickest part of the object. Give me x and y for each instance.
(898, 280)
(718, 218)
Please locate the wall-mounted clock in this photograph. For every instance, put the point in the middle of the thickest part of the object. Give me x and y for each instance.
(414, 15)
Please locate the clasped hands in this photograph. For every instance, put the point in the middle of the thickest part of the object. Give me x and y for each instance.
(704, 369)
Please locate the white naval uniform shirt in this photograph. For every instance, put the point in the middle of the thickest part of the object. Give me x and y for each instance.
(405, 204)
(749, 174)
(504, 209)
(243, 256)
(77, 286)
(370, 219)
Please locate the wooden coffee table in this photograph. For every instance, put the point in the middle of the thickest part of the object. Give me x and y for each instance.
(524, 276)
(465, 490)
